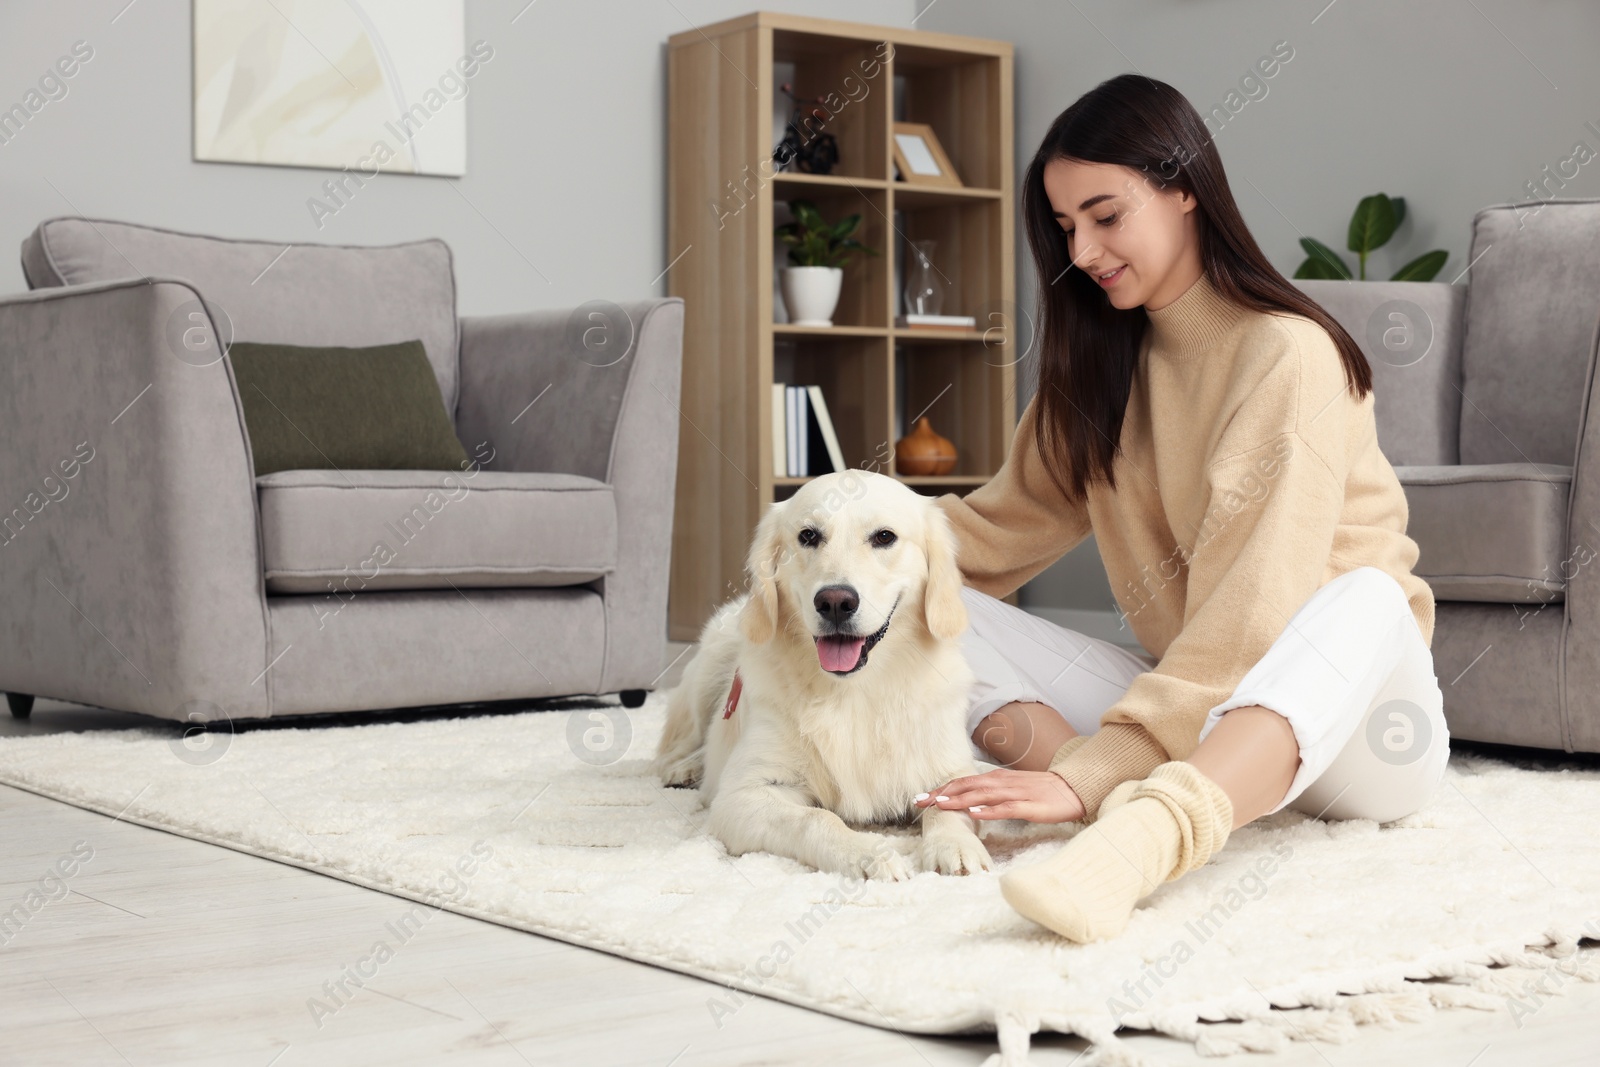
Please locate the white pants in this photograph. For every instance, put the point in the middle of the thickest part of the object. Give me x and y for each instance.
(1350, 672)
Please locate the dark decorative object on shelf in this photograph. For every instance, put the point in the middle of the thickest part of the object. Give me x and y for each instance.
(805, 144)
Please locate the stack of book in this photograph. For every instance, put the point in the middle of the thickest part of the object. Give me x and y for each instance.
(936, 322)
(803, 441)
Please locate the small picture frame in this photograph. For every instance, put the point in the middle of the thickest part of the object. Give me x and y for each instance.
(920, 158)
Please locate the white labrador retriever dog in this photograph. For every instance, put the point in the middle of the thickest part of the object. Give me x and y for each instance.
(853, 689)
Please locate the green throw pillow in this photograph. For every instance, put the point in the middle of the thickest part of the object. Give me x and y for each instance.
(323, 408)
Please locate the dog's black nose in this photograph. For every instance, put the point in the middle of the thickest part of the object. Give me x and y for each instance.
(837, 603)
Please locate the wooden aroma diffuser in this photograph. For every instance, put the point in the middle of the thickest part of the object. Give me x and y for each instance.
(922, 451)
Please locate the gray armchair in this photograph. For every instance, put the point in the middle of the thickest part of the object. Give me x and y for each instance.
(1485, 407)
(144, 567)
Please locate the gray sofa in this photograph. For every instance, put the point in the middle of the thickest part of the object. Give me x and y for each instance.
(143, 567)
(1485, 407)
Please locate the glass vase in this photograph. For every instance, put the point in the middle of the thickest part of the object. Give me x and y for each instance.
(924, 291)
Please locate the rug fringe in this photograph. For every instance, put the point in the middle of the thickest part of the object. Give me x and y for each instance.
(1524, 976)
(1015, 1028)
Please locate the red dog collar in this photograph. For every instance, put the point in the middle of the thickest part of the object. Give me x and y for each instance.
(733, 695)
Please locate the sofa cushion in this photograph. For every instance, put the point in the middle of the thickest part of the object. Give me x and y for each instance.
(1495, 532)
(329, 531)
(315, 407)
(299, 294)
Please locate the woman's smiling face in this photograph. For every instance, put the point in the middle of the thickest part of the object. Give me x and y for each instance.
(1116, 220)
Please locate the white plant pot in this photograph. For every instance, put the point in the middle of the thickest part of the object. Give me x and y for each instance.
(811, 293)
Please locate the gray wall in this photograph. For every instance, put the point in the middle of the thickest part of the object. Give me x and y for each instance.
(1453, 106)
(565, 144)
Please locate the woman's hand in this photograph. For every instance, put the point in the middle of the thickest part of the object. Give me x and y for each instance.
(1037, 796)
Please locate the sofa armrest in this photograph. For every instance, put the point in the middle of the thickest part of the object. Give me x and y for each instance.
(591, 391)
(1579, 655)
(130, 573)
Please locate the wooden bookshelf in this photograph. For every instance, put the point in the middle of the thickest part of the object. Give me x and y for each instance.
(725, 196)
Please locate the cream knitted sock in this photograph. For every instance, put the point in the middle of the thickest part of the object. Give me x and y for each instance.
(1171, 823)
(1116, 798)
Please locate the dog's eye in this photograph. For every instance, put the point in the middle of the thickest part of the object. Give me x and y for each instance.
(809, 537)
(884, 538)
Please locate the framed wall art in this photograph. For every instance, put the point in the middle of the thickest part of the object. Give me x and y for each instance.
(375, 85)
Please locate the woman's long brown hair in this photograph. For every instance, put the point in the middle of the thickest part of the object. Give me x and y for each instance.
(1088, 348)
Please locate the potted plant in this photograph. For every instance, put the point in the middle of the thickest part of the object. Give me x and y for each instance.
(1374, 222)
(817, 254)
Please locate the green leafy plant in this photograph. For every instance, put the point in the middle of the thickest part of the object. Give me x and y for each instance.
(815, 243)
(1375, 220)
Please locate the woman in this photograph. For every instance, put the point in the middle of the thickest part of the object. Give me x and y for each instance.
(1253, 532)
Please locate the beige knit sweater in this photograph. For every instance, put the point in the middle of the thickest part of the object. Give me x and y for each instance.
(1249, 476)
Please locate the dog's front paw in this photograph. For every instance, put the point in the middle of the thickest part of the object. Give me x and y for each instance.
(954, 854)
(878, 859)
(685, 772)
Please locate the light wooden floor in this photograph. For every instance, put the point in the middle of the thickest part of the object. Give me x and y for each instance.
(172, 951)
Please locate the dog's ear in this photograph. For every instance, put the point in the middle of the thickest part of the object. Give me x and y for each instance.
(943, 610)
(758, 621)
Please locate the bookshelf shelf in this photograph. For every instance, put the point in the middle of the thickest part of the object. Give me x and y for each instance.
(797, 184)
(929, 335)
(912, 196)
(784, 329)
(725, 196)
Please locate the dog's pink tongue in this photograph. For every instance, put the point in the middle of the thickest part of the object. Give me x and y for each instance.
(839, 653)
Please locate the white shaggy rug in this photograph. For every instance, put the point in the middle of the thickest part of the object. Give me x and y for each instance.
(549, 821)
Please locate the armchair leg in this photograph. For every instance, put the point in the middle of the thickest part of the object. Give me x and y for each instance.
(22, 704)
(631, 698)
